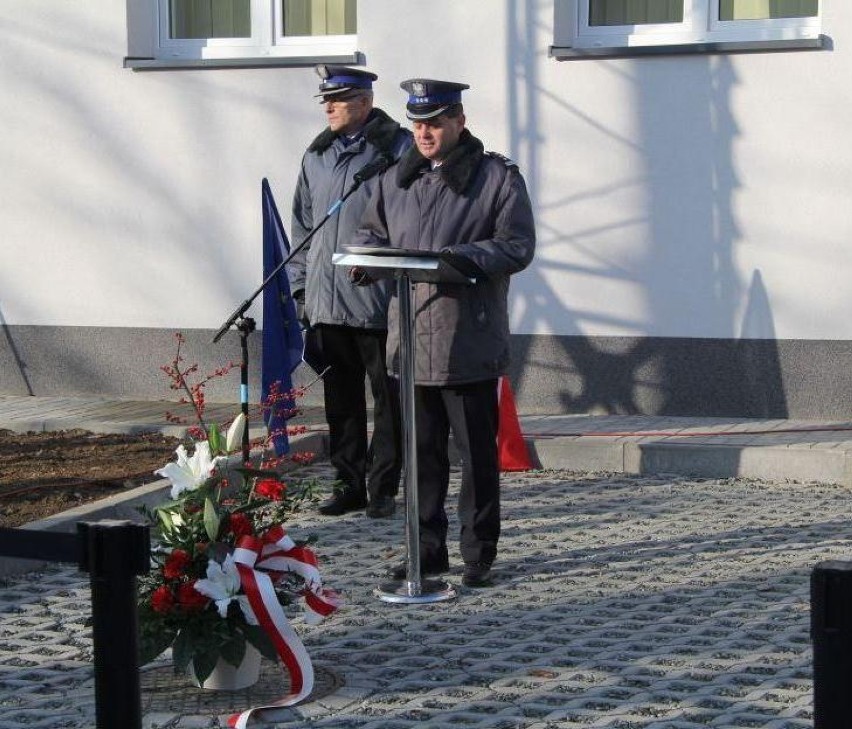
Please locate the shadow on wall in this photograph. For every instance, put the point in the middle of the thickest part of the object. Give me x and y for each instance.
(685, 134)
(763, 387)
(20, 365)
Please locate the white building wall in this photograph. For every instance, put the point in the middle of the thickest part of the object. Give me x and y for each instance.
(676, 197)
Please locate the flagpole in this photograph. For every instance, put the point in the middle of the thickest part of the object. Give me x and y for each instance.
(246, 325)
(243, 308)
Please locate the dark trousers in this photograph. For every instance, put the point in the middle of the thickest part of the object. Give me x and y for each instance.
(351, 353)
(470, 411)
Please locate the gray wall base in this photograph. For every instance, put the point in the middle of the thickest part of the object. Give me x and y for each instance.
(680, 376)
(567, 374)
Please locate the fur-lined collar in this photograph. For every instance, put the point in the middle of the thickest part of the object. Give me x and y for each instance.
(456, 171)
(380, 131)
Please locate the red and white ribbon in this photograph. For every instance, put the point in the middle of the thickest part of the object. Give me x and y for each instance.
(281, 555)
(277, 554)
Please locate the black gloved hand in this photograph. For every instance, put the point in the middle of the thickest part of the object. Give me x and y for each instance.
(462, 264)
(299, 298)
(359, 276)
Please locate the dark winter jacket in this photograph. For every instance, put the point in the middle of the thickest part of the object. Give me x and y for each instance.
(326, 174)
(474, 205)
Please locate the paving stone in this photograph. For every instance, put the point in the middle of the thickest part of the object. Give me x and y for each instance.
(620, 601)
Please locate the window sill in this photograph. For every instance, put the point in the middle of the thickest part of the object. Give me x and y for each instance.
(178, 64)
(822, 43)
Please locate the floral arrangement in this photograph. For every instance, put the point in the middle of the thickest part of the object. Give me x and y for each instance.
(204, 597)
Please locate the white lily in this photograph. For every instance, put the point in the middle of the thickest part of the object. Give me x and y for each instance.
(234, 439)
(222, 585)
(189, 472)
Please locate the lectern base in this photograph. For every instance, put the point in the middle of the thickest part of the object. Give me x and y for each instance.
(402, 591)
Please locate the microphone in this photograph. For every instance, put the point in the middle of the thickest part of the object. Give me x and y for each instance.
(371, 169)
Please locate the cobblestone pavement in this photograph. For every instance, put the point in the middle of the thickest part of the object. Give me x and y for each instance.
(620, 602)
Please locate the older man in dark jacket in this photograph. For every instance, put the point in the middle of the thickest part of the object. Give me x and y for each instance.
(447, 194)
(349, 323)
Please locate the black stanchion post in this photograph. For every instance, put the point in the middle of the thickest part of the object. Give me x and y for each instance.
(831, 633)
(113, 553)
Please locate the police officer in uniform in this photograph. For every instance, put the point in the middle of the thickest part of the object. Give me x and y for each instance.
(349, 323)
(447, 194)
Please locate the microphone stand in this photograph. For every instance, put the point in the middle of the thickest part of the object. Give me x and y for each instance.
(247, 325)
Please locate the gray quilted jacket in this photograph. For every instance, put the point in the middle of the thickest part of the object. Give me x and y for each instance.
(476, 206)
(327, 170)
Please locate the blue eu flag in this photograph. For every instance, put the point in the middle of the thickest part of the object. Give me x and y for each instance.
(282, 335)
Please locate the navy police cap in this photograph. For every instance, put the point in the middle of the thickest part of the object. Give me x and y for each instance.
(340, 79)
(428, 98)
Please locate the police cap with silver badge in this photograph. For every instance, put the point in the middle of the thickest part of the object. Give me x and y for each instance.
(428, 98)
(340, 79)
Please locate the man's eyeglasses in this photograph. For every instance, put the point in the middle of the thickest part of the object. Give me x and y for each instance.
(341, 99)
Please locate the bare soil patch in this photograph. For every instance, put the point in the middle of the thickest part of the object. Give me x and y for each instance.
(42, 474)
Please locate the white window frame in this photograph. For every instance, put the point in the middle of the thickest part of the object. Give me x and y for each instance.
(778, 29)
(206, 47)
(267, 39)
(294, 45)
(700, 25)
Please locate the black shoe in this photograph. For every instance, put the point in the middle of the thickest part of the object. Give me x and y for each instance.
(343, 502)
(427, 567)
(381, 507)
(476, 574)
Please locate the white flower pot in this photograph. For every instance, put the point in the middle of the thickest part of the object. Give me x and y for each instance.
(226, 677)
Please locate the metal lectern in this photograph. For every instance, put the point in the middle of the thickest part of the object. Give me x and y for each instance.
(408, 267)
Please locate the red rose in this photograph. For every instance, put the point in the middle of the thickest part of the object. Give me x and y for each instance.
(240, 525)
(162, 600)
(271, 488)
(176, 564)
(191, 599)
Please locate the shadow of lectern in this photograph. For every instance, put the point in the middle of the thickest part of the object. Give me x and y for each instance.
(408, 267)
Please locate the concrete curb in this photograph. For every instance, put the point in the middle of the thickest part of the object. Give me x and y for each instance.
(125, 506)
(703, 460)
(635, 456)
